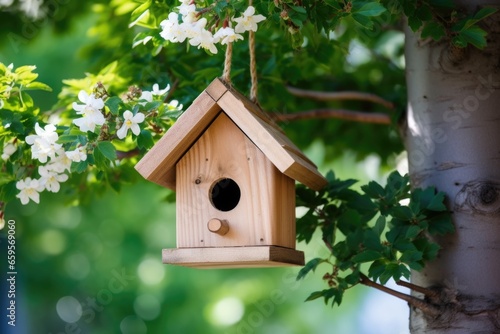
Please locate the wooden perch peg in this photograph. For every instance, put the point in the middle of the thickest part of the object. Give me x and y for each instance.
(219, 226)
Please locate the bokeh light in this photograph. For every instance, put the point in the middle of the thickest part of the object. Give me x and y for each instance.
(69, 309)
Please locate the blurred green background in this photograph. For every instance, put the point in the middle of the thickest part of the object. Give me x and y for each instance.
(96, 268)
(100, 265)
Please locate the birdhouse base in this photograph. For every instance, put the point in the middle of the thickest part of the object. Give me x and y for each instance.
(234, 257)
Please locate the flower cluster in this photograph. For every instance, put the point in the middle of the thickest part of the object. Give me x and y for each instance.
(192, 27)
(45, 149)
(55, 159)
(90, 111)
(31, 8)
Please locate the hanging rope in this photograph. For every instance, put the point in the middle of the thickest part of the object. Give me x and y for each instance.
(253, 63)
(253, 66)
(226, 74)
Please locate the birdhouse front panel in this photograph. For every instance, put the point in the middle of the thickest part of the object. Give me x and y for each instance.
(234, 171)
(230, 194)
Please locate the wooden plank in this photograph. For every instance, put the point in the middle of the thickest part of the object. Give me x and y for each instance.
(265, 213)
(233, 257)
(216, 89)
(272, 143)
(158, 165)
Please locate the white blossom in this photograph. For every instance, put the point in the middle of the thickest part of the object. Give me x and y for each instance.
(29, 189)
(8, 150)
(191, 17)
(186, 9)
(248, 21)
(159, 92)
(32, 8)
(173, 105)
(194, 30)
(50, 179)
(226, 35)
(131, 122)
(77, 155)
(200, 37)
(43, 144)
(60, 163)
(171, 29)
(90, 111)
(6, 3)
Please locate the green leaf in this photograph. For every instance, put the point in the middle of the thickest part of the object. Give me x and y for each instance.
(25, 74)
(37, 86)
(8, 191)
(366, 256)
(374, 190)
(484, 13)
(404, 245)
(341, 251)
(352, 278)
(424, 13)
(475, 36)
(379, 225)
(79, 167)
(411, 256)
(6, 178)
(145, 139)
(113, 103)
(305, 196)
(370, 9)
(311, 265)
(141, 16)
(316, 295)
(376, 269)
(413, 231)
(371, 240)
(433, 29)
(441, 224)
(349, 221)
(299, 9)
(361, 203)
(64, 139)
(402, 212)
(220, 6)
(362, 20)
(391, 270)
(334, 4)
(107, 149)
(306, 225)
(100, 161)
(437, 202)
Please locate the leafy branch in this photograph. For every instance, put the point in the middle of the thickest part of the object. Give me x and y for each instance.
(373, 227)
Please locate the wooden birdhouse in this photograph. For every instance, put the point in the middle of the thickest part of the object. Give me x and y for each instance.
(234, 173)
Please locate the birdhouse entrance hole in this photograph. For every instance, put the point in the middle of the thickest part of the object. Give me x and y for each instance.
(225, 194)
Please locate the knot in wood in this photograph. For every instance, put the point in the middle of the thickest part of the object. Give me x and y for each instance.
(488, 194)
(479, 197)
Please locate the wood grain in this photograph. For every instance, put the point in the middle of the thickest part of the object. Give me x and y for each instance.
(271, 141)
(265, 214)
(158, 165)
(233, 257)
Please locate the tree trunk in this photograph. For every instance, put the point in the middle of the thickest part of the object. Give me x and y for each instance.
(452, 136)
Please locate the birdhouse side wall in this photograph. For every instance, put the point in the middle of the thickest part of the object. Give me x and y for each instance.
(265, 212)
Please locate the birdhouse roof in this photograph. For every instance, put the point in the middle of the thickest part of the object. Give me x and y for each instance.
(159, 164)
